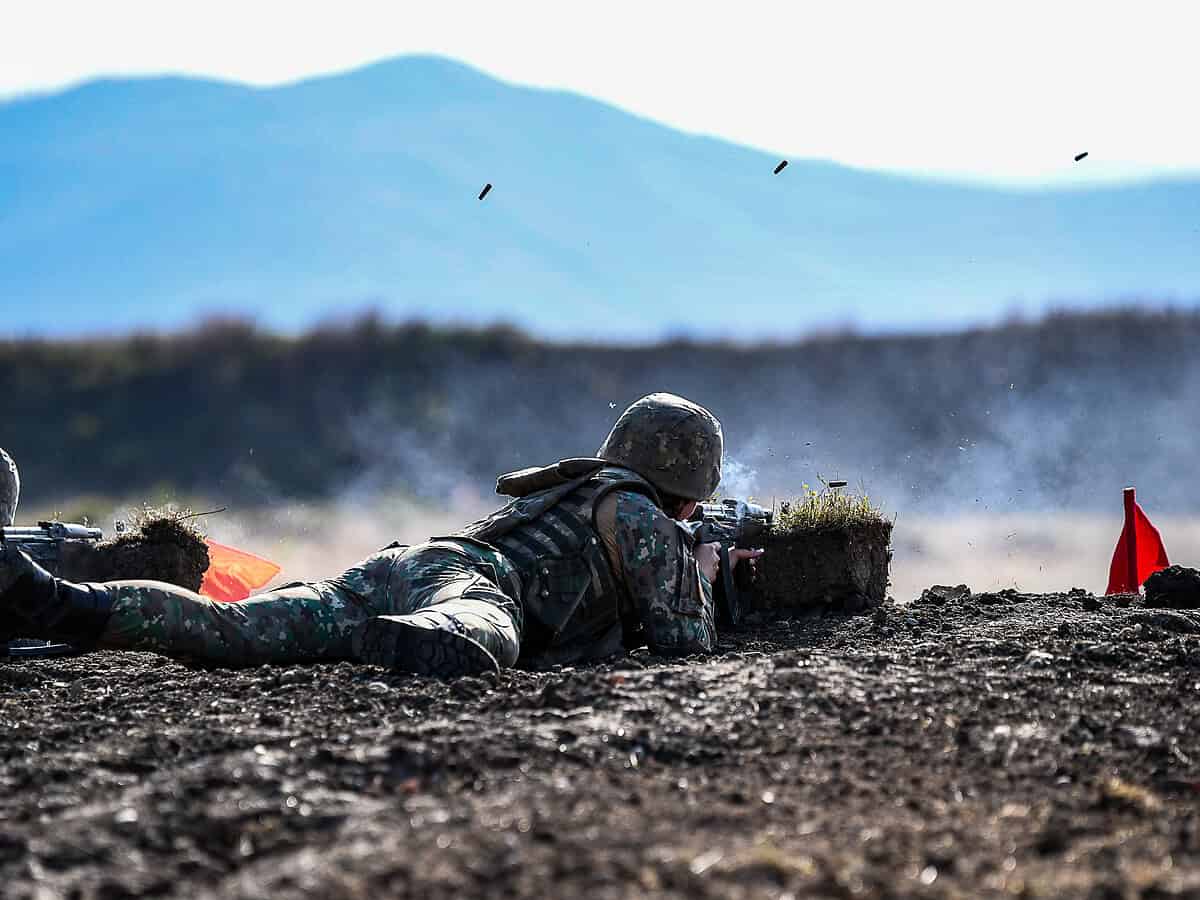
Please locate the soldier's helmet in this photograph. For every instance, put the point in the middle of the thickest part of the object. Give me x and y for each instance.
(673, 443)
(10, 488)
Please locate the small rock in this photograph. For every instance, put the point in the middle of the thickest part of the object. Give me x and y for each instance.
(629, 663)
(1143, 736)
(1118, 794)
(467, 688)
(1179, 623)
(940, 594)
(706, 861)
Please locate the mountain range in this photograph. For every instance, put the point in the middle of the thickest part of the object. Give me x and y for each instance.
(149, 203)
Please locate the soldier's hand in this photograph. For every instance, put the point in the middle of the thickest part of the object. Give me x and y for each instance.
(737, 555)
(708, 557)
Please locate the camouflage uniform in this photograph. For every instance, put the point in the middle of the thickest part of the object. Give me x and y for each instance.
(644, 587)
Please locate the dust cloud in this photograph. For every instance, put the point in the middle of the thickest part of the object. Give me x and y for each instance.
(1036, 552)
(1000, 453)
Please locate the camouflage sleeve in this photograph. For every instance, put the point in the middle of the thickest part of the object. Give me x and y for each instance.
(652, 556)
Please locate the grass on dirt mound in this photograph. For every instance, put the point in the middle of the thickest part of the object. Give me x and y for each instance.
(157, 544)
(829, 509)
(824, 549)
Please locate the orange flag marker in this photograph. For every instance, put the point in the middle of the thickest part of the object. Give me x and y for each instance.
(232, 574)
(1140, 552)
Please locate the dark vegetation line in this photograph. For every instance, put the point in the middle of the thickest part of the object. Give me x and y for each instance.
(1063, 406)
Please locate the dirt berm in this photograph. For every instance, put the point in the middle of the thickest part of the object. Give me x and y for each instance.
(997, 745)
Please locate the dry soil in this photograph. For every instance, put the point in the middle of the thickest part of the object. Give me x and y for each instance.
(992, 745)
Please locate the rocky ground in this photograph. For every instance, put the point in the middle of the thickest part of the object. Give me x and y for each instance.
(963, 746)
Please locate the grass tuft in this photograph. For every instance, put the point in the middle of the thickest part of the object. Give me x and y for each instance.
(138, 516)
(828, 509)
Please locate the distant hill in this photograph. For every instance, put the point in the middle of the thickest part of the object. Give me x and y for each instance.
(1059, 414)
(147, 203)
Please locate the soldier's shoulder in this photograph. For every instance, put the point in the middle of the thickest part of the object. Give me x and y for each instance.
(637, 513)
(624, 508)
(630, 500)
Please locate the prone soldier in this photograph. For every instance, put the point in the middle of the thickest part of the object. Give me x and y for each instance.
(590, 557)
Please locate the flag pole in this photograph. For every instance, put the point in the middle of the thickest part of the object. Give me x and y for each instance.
(1131, 540)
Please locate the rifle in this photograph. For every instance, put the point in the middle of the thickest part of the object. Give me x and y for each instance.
(47, 543)
(731, 523)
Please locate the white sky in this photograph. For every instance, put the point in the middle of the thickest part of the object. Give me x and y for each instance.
(998, 90)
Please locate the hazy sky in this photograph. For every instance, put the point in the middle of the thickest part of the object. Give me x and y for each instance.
(999, 90)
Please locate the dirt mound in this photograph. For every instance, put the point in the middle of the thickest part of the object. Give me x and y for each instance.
(1176, 586)
(843, 569)
(159, 546)
(972, 745)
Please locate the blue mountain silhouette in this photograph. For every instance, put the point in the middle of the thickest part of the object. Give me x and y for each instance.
(150, 202)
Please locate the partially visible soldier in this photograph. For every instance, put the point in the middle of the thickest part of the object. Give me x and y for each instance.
(10, 489)
(589, 559)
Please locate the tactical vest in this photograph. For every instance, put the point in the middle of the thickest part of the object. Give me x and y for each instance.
(571, 597)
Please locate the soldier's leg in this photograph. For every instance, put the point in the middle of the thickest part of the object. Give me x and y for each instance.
(456, 621)
(453, 617)
(294, 623)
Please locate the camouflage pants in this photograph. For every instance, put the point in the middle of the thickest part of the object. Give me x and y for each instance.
(303, 622)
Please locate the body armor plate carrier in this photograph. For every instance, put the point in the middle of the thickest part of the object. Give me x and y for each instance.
(572, 599)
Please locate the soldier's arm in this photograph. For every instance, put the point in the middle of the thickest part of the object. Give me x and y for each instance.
(650, 554)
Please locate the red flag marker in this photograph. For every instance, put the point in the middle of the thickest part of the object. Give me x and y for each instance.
(232, 574)
(1139, 553)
